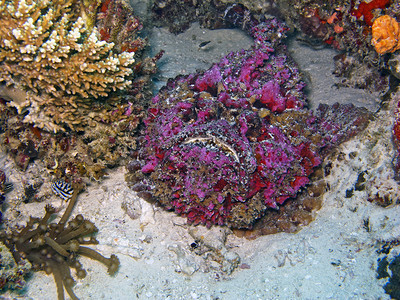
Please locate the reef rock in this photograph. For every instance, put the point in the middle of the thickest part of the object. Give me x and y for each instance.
(225, 145)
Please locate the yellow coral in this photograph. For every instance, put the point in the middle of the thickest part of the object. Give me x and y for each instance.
(47, 51)
(386, 34)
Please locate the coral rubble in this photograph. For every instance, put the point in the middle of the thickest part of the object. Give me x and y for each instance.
(12, 274)
(53, 65)
(5, 187)
(394, 65)
(346, 26)
(177, 15)
(73, 157)
(55, 247)
(225, 145)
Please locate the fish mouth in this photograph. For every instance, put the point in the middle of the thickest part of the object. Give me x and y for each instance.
(214, 141)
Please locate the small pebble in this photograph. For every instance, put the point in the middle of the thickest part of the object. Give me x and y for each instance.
(244, 266)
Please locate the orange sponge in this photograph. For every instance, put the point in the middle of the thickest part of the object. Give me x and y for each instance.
(386, 34)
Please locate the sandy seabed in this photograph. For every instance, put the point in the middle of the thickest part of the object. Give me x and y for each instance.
(335, 257)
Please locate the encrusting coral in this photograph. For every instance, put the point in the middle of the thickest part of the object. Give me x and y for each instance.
(53, 63)
(55, 247)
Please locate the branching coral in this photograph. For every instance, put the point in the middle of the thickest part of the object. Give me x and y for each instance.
(55, 247)
(53, 64)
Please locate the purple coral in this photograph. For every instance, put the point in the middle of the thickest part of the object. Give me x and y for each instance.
(224, 145)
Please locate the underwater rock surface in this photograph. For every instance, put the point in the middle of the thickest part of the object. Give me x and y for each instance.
(224, 145)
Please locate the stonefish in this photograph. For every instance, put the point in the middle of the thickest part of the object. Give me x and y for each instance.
(225, 145)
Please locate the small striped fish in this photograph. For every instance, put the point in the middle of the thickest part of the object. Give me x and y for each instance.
(62, 189)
